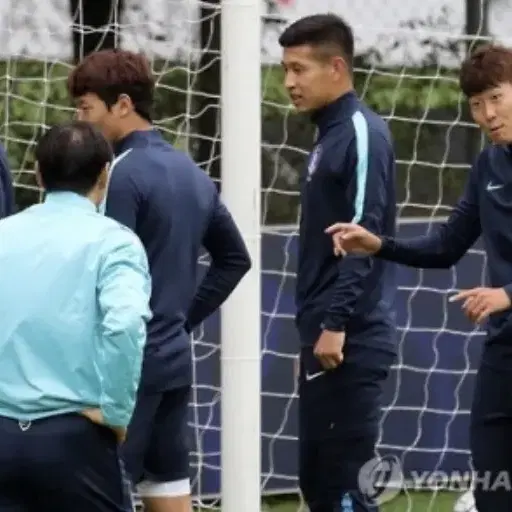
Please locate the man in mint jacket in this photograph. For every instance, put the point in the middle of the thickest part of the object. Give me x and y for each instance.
(74, 302)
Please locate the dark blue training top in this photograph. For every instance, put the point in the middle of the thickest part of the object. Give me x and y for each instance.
(350, 178)
(7, 205)
(484, 209)
(174, 208)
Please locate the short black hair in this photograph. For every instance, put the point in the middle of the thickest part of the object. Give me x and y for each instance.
(71, 157)
(321, 30)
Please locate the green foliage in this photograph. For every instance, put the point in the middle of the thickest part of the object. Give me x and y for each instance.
(403, 89)
(383, 89)
(421, 105)
(34, 97)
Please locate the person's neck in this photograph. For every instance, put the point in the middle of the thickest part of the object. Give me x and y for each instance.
(341, 91)
(135, 125)
(95, 196)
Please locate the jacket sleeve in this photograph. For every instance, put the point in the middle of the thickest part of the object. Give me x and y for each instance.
(369, 162)
(124, 290)
(447, 242)
(230, 261)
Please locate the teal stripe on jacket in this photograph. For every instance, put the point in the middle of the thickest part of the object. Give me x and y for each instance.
(361, 129)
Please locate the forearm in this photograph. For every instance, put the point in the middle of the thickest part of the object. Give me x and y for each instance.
(230, 261)
(350, 285)
(508, 290)
(215, 288)
(422, 252)
(124, 287)
(119, 367)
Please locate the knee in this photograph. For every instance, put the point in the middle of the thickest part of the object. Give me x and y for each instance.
(175, 489)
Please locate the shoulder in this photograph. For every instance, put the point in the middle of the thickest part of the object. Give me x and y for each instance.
(128, 172)
(489, 155)
(492, 156)
(119, 234)
(12, 223)
(136, 162)
(127, 162)
(366, 137)
(25, 216)
(112, 234)
(492, 152)
(370, 128)
(119, 243)
(3, 154)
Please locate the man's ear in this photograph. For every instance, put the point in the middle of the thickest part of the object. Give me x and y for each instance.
(124, 105)
(339, 66)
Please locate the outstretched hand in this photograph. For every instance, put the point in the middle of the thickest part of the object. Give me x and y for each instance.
(479, 303)
(353, 238)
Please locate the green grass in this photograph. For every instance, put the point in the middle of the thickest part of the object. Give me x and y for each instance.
(410, 502)
(424, 501)
(405, 502)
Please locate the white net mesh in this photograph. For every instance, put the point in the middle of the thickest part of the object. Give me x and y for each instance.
(402, 73)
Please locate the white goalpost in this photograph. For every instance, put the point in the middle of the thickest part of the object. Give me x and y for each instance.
(240, 341)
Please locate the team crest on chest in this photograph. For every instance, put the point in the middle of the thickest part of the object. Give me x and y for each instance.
(314, 160)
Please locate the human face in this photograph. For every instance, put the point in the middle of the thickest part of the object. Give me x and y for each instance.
(492, 111)
(311, 81)
(92, 109)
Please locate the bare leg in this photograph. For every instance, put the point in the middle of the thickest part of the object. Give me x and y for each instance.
(166, 496)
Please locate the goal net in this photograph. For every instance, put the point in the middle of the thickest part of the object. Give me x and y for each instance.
(405, 69)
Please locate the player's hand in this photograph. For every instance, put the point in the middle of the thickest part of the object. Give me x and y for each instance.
(95, 416)
(329, 349)
(353, 238)
(479, 303)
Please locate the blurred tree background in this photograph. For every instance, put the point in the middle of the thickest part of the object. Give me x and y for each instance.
(435, 139)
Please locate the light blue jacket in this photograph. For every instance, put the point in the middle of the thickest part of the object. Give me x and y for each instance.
(74, 301)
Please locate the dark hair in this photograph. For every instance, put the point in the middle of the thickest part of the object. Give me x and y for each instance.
(111, 73)
(71, 157)
(487, 67)
(321, 30)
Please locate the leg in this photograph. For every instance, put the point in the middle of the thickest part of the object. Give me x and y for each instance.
(329, 471)
(14, 485)
(134, 449)
(339, 417)
(491, 439)
(166, 486)
(74, 465)
(340, 461)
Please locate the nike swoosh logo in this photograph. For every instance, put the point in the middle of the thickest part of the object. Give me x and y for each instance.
(491, 187)
(312, 376)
